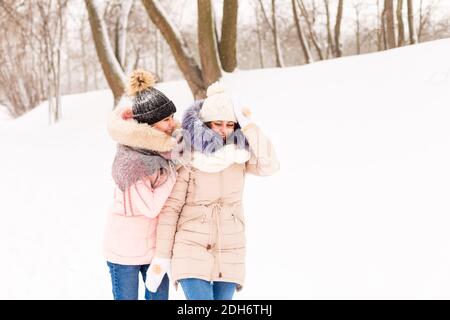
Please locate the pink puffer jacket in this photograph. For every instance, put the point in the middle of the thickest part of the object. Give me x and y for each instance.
(130, 234)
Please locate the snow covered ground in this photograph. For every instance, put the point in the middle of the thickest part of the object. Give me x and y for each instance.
(4, 114)
(359, 209)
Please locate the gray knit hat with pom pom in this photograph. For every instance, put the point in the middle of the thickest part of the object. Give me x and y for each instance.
(149, 104)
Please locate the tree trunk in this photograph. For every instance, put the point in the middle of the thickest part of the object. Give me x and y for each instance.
(95, 71)
(111, 68)
(84, 60)
(68, 60)
(312, 34)
(207, 43)
(301, 37)
(258, 34)
(421, 19)
(412, 30)
(52, 38)
(57, 72)
(358, 28)
(121, 32)
(278, 56)
(51, 105)
(337, 28)
(401, 27)
(227, 44)
(379, 28)
(178, 46)
(58, 87)
(383, 28)
(424, 18)
(390, 24)
(329, 35)
(273, 28)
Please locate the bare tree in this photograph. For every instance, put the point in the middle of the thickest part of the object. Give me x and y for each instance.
(401, 28)
(411, 28)
(380, 29)
(330, 50)
(424, 17)
(22, 84)
(357, 6)
(227, 43)
(337, 28)
(258, 34)
(207, 43)
(180, 50)
(143, 42)
(121, 31)
(198, 78)
(83, 44)
(304, 44)
(309, 23)
(388, 17)
(31, 55)
(273, 27)
(51, 14)
(279, 55)
(53, 37)
(111, 67)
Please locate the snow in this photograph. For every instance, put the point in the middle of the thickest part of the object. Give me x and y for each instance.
(4, 114)
(359, 209)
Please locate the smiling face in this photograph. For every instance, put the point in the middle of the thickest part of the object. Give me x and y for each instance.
(166, 125)
(224, 128)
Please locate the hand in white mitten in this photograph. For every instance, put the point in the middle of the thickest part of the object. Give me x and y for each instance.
(242, 113)
(155, 273)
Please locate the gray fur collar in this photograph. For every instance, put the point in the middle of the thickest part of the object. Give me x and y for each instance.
(200, 138)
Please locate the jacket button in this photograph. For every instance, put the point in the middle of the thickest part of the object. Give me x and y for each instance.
(208, 247)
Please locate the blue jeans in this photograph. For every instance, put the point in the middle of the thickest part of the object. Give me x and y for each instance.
(198, 289)
(125, 283)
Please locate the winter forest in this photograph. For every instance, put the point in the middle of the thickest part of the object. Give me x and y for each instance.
(353, 95)
(52, 48)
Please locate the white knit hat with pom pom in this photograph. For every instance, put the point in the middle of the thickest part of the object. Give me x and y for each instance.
(218, 105)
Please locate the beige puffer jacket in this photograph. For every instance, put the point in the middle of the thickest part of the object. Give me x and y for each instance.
(202, 225)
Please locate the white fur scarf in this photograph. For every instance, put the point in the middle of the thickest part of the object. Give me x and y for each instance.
(131, 133)
(219, 160)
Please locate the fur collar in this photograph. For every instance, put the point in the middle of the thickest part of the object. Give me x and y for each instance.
(219, 160)
(201, 138)
(138, 135)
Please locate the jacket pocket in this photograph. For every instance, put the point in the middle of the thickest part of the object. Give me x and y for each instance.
(233, 222)
(237, 215)
(192, 229)
(192, 218)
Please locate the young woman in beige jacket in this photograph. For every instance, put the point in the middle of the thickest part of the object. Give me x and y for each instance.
(200, 237)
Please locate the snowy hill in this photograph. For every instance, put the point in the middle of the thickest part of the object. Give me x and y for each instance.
(359, 209)
(4, 115)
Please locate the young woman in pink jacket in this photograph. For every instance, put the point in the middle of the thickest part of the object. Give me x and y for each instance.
(144, 174)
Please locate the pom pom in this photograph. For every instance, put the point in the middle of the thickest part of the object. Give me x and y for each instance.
(246, 112)
(215, 88)
(140, 80)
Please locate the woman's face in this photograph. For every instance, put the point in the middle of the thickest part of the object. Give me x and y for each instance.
(224, 128)
(166, 125)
